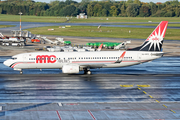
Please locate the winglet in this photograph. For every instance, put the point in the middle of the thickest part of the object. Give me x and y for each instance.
(100, 47)
(121, 57)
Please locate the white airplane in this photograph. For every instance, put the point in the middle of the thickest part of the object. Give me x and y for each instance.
(50, 41)
(73, 62)
(122, 45)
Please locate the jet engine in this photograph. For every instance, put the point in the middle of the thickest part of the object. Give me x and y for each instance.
(70, 69)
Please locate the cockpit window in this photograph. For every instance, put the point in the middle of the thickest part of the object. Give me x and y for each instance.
(14, 58)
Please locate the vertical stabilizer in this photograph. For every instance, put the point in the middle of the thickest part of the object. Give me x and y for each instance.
(155, 40)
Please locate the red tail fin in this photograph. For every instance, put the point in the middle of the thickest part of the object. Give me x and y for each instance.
(155, 40)
(159, 32)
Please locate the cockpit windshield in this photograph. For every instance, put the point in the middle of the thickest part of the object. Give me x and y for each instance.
(14, 58)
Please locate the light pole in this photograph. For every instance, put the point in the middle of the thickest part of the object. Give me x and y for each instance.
(20, 22)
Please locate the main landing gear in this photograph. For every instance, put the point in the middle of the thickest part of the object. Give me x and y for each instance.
(87, 71)
(21, 72)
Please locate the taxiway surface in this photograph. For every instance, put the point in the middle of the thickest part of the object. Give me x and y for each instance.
(79, 97)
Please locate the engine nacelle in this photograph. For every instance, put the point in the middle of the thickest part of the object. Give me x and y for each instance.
(70, 69)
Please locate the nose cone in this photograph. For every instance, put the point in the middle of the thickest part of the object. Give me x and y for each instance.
(8, 62)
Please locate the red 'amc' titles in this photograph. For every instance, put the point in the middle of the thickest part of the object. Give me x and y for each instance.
(45, 59)
(155, 38)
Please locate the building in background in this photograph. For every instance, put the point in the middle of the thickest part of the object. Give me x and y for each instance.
(81, 16)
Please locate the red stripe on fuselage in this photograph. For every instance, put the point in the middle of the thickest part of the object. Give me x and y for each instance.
(93, 61)
(108, 61)
(21, 63)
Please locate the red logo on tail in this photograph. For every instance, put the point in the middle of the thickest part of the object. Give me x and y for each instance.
(159, 32)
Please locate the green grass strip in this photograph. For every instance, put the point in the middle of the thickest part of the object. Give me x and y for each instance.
(124, 19)
(169, 24)
(4, 26)
(107, 32)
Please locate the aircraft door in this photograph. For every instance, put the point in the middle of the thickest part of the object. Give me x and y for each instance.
(25, 59)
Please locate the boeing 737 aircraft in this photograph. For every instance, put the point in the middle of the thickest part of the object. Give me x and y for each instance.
(73, 62)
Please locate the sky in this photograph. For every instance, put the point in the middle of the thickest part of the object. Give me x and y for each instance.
(154, 1)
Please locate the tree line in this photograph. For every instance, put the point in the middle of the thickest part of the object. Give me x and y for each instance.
(104, 8)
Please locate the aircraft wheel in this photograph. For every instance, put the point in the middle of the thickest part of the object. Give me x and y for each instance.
(21, 72)
(89, 72)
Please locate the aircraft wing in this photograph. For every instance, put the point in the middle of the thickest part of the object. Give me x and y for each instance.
(92, 66)
(101, 65)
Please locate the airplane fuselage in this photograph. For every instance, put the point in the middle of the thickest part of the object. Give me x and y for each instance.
(102, 59)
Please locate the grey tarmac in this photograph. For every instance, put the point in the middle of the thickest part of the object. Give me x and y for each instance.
(90, 97)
